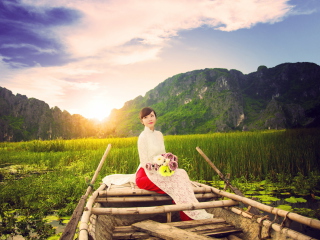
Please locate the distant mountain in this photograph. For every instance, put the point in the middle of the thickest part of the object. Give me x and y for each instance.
(23, 118)
(200, 101)
(219, 100)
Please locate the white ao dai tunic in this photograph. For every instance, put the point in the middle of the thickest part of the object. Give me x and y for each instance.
(178, 185)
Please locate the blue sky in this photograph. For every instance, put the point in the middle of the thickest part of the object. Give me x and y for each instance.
(90, 56)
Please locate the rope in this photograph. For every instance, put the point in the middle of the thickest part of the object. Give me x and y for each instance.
(90, 185)
(270, 226)
(260, 227)
(285, 220)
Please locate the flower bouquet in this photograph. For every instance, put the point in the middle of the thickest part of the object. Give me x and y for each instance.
(165, 164)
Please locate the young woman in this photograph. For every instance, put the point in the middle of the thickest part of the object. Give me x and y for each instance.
(178, 185)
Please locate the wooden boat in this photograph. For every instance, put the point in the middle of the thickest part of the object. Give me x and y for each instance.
(127, 212)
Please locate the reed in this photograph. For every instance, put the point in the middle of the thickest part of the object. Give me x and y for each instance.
(242, 154)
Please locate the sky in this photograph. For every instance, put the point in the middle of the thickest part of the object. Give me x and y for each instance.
(90, 56)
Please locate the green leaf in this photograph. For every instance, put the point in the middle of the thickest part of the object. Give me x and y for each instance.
(295, 200)
(285, 207)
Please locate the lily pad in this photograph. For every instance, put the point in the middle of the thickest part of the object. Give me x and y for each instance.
(250, 192)
(263, 182)
(285, 193)
(305, 212)
(295, 200)
(285, 208)
(56, 237)
(266, 198)
(265, 192)
(51, 218)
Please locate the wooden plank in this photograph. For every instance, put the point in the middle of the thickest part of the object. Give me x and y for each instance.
(150, 198)
(133, 235)
(233, 237)
(195, 223)
(215, 231)
(212, 227)
(137, 191)
(123, 229)
(167, 232)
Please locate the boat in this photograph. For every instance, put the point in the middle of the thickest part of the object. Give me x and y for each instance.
(127, 212)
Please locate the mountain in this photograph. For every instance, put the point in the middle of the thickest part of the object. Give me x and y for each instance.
(219, 100)
(23, 118)
(200, 101)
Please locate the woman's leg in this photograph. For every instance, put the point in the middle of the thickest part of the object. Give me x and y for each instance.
(144, 182)
(184, 217)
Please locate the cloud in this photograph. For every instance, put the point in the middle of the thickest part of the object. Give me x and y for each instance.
(134, 54)
(73, 49)
(108, 24)
(26, 34)
(55, 85)
(234, 15)
(30, 46)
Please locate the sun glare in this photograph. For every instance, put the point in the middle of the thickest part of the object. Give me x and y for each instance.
(97, 110)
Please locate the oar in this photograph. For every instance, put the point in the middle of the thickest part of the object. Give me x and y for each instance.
(71, 227)
(234, 189)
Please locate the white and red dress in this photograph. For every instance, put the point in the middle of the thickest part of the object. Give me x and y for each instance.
(178, 185)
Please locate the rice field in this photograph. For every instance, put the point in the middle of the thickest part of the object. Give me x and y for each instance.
(48, 177)
(248, 155)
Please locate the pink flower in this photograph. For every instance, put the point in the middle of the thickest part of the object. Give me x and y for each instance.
(156, 167)
(168, 155)
(173, 165)
(149, 166)
(175, 158)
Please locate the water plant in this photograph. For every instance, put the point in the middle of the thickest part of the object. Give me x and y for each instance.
(49, 176)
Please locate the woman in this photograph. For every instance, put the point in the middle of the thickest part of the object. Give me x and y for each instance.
(178, 185)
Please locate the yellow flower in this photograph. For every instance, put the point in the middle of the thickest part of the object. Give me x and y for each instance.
(165, 171)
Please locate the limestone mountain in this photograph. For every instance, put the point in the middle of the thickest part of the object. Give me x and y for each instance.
(216, 100)
(200, 101)
(23, 118)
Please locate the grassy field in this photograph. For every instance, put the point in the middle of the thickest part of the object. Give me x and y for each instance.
(40, 178)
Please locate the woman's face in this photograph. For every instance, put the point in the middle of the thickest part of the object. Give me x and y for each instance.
(149, 120)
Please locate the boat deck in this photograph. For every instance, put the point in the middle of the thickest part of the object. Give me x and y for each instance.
(149, 215)
(127, 212)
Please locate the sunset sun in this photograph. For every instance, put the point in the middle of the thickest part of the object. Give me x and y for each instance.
(96, 109)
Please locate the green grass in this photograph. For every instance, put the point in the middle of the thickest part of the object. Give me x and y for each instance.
(48, 177)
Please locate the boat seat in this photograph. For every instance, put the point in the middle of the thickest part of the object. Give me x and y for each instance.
(196, 229)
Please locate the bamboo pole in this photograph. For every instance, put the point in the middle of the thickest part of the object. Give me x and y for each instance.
(83, 226)
(129, 191)
(275, 226)
(149, 198)
(164, 208)
(234, 189)
(71, 227)
(314, 223)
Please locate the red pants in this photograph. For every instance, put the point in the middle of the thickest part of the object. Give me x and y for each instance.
(143, 182)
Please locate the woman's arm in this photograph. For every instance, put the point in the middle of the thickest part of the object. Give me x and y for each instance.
(143, 150)
(162, 140)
